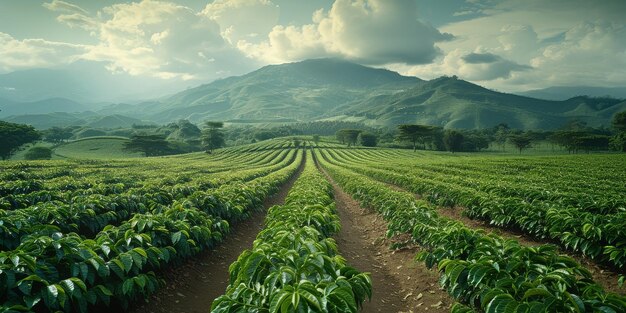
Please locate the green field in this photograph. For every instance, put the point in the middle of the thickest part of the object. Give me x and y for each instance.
(91, 232)
(95, 148)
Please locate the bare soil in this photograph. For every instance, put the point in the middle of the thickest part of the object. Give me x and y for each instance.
(192, 287)
(604, 276)
(400, 284)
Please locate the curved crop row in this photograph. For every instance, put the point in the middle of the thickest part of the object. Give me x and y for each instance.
(600, 237)
(294, 265)
(68, 273)
(485, 272)
(87, 213)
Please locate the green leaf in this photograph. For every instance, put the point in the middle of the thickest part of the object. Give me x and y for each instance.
(127, 287)
(127, 260)
(69, 285)
(536, 292)
(35, 278)
(277, 301)
(50, 295)
(31, 301)
(575, 300)
(79, 283)
(605, 309)
(501, 304)
(15, 259)
(176, 237)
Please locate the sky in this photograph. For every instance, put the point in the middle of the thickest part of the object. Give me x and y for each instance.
(507, 45)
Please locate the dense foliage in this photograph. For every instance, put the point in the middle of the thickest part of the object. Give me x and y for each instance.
(486, 272)
(13, 136)
(74, 236)
(294, 265)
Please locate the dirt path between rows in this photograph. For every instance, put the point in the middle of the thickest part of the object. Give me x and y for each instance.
(192, 287)
(399, 283)
(605, 277)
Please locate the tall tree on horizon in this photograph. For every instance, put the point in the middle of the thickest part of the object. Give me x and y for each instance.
(150, 145)
(618, 141)
(415, 133)
(13, 136)
(521, 141)
(212, 136)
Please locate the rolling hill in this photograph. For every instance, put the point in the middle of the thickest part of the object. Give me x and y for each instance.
(332, 89)
(10, 107)
(454, 103)
(567, 92)
(300, 91)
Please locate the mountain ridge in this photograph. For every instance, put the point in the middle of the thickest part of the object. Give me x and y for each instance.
(334, 89)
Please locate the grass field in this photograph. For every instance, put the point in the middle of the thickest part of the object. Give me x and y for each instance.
(19, 155)
(95, 148)
(339, 230)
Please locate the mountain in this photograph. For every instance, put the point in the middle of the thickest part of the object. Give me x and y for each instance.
(43, 121)
(295, 91)
(454, 103)
(567, 92)
(9, 107)
(332, 89)
(63, 119)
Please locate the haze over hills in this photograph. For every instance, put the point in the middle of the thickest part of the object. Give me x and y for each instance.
(567, 92)
(333, 89)
(86, 82)
(454, 103)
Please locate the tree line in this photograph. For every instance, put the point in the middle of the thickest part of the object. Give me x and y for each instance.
(184, 136)
(574, 137)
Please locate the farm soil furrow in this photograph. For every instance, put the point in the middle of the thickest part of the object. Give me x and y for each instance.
(602, 275)
(192, 287)
(400, 284)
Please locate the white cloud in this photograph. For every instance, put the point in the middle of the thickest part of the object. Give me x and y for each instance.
(475, 66)
(62, 6)
(243, 19)
(565, 42)
(156, 38)
(368, 31)
(31, 53)
(590, 54)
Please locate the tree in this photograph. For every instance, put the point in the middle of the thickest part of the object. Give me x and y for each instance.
(619, 122)
(57, 134)
(501, 134)
(150, 145)
(368, 139)
(521, 141)
(476, 142)
(340, 136)
(13, 136)
(349, 136)
(316, 138)
(593, 142)
(38, 153)
(453, 140)
(415, 133)
(618, 142)
(212, 136)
